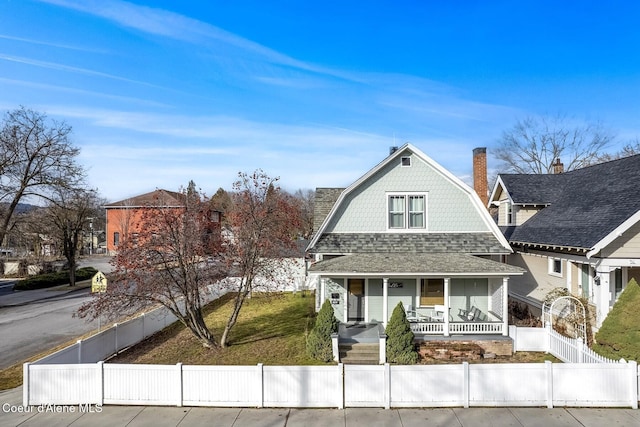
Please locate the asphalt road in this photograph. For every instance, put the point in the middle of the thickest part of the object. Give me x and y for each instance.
(35, 321)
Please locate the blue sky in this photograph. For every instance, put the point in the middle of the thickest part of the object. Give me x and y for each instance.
(162, 92)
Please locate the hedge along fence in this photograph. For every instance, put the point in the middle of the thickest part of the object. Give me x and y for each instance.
(338, 386)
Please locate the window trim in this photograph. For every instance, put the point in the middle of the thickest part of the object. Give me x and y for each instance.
(406, 227)
(551, 267)
(423, 283)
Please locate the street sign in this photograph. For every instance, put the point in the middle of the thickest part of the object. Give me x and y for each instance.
(99, 282)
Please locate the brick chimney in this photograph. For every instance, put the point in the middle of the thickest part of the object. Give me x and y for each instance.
(480, 174)
(558, 167)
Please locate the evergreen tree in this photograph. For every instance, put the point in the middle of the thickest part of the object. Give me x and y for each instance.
(400, 346)
(319, 340)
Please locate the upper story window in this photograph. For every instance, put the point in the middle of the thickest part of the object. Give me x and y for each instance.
(407, 211)
(509, 212)
(405, 161)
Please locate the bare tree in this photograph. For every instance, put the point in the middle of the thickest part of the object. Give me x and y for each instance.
(630, 149)
(534, 143)
(264, 221)
(67, 217)
(36, 157)
(171, 256)
(306, 200)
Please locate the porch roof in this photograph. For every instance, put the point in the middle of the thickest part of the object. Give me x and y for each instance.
(434, 264)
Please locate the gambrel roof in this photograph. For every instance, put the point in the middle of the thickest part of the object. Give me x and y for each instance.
(331, 203)
(587, 208)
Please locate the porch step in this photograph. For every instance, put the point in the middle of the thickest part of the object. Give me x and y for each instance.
(359, 353)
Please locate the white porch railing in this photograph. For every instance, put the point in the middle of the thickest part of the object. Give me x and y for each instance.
(471, 328)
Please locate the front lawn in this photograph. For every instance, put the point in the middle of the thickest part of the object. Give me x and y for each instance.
(271, 329)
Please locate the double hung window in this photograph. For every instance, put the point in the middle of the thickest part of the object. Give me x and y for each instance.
(407, 211)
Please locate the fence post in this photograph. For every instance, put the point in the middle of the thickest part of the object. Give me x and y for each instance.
(465, 382)
(79, 342)
(580, 347)
(513, 333)
(25, 384)
(382, 342)
(260, 372)
(547, 326)
(549, 367)
(143, 335)
(341, 384)
(387, 386)
(633, 386)
(180, 384)
(335, 348)
(101, 367)
(115, 327)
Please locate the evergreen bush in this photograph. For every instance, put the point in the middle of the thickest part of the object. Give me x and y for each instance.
(400, 346)
(319, 340)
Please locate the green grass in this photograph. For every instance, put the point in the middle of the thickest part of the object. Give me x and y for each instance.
(619, 336)
(49, 280)
(271, 330)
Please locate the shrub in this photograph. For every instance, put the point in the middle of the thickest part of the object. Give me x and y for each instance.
(400, 346)
(319, 340)
(49, 280)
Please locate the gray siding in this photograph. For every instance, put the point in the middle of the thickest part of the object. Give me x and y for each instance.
(625, 246)
(449, 208)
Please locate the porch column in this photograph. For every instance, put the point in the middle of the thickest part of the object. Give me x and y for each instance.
(446, 306)
(505, 306)
(323, 293)
(385, 303)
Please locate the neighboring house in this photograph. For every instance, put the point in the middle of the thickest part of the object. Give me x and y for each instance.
(579, 230)
(123, 217)
(410, 232)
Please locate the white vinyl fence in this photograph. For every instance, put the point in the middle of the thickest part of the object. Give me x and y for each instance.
(338, 386)
(106, 343)
(569, 350)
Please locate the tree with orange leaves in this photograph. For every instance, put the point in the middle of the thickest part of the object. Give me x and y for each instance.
(263, 221)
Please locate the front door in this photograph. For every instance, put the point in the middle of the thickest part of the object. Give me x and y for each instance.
(355, 290)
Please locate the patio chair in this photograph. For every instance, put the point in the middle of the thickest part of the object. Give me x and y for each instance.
(438, 313)
(413, 315)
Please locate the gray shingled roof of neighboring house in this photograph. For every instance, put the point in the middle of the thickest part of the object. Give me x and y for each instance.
(325, 198)
(409, 243)
(415, 264)
(590, 203)
(533, 189)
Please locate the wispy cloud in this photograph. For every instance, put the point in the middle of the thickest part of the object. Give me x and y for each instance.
(66, 89)
(50, 44)
(68, 68)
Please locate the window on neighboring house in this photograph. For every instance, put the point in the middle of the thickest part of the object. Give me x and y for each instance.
(555, 267)
(431, 292)
(617, 277)
(116, 238)
(407, 211)
(405, 161)
(508, 213)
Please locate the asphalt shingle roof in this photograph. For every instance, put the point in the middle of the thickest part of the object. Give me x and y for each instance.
(409, 243)
(418, 264)
(585, 204)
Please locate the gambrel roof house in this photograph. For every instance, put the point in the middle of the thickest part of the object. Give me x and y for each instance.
(410, 232)
(579, 230)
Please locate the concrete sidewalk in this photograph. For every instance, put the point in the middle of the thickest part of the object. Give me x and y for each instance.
(159, 416)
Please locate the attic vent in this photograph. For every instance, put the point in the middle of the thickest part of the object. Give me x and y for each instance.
(405, 161)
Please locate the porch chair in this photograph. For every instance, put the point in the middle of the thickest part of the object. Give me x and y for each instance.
(413, 315)
(438, 313)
